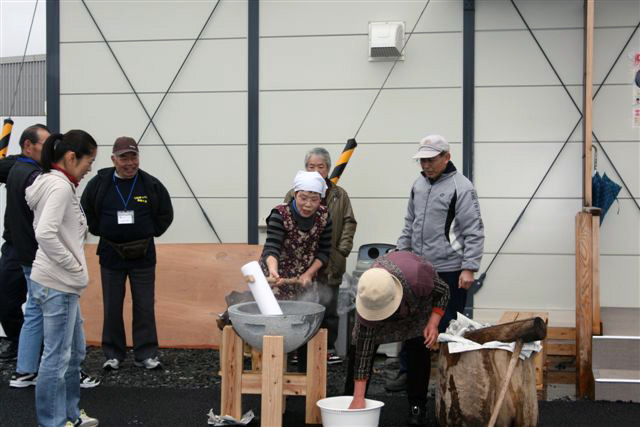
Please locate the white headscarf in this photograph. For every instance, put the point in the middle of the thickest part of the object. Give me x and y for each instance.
(309, 181)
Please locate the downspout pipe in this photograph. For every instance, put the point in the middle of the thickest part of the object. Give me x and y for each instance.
(468, 105)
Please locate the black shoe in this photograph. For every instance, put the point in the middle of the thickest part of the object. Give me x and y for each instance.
(10, 352)
(399, 383)
(22, 380)
(333, 359)
(87, 381)
(417, 416)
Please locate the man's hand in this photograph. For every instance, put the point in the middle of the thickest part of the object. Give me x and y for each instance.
(357, 403)
(430, 335)
(466, 279)
(359, 389)
(430, 332)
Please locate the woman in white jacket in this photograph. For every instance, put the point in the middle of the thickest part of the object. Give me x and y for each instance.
(59, 275)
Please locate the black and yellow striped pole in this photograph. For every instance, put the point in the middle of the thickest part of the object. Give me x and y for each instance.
(6, 134)
(341, 164)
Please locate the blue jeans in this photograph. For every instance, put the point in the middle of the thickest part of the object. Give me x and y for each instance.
(58, 386)
(31, 332)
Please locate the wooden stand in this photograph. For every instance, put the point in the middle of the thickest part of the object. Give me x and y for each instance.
(269, 378)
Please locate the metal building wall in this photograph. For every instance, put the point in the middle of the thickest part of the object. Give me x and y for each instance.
(30, 99)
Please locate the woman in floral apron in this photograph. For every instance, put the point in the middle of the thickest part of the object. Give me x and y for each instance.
(298, 240)
(298, 244)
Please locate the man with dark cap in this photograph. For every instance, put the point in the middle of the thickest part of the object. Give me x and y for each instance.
(126, 207)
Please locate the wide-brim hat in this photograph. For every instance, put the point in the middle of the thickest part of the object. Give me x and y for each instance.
(379, 294)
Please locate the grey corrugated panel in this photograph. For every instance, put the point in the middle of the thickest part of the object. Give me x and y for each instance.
(30, 98)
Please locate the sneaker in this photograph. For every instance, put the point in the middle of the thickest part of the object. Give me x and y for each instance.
(417, 416)
(333, 359)
(149, 363)
(84, 421)
(399, 383)
(87, 381)
(111, 365)
(22, 380)
(10, 352)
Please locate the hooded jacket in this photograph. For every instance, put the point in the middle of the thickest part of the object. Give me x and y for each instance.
(61, 229)
(443, 222)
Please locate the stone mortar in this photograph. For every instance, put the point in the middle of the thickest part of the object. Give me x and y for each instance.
(297, 325)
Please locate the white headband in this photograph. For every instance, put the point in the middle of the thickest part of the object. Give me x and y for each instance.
(309, 181)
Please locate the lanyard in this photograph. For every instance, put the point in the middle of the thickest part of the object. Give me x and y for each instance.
(27, 160)
(125, 203)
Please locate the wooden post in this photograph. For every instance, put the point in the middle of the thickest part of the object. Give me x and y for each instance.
(231, 372)
(584, 304)
(316, 376)
(595, 235)
(587, 253)
(587, 199)
(272, 380)
(256, 360)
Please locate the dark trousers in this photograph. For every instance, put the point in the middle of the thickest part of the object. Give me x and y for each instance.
(13, 293)
(145, 338)
(418, 371)
(330, 321)
(457, 298)
(457, 303)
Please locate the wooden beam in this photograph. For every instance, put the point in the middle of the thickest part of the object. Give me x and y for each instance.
(595, 236)
(272, 380)
(293, 384)
(557, 333)
(316, 376)
(554, 349)
(587, 109)
(584, 304)
(231, 372)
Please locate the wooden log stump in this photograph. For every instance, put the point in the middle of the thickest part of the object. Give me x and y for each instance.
(469, 384)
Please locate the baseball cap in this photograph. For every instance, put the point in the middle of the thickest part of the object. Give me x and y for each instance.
(431, 146)
(125, 144)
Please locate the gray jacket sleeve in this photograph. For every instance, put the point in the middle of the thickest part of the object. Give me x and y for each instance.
(470, 221)
(404, 241)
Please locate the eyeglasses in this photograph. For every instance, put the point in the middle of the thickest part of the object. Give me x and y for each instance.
(434, 158)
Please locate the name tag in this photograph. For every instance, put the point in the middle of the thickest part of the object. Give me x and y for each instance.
(125, 217)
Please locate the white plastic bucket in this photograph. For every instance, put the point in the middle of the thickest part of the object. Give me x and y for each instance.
(336, 413)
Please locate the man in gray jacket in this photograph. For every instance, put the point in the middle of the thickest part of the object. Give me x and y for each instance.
(443, 222)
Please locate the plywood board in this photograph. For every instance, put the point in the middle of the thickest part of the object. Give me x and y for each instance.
(191, 283)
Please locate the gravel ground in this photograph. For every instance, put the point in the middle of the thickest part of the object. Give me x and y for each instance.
(198, 368)
(181, 394)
